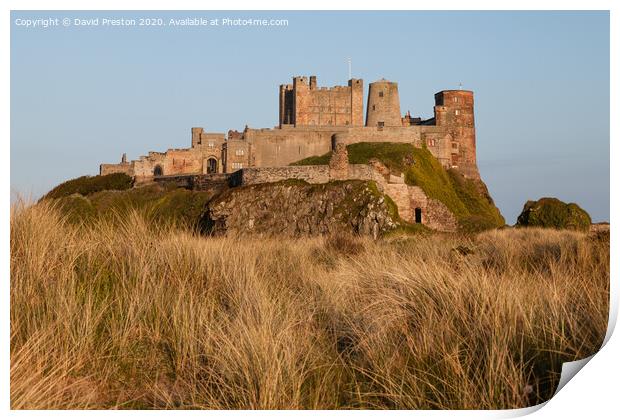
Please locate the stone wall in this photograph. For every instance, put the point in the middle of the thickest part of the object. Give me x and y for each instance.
(199, 182)
(434, 213)
(281, 147)
(315, 174)
(113, 168)
(305, 104)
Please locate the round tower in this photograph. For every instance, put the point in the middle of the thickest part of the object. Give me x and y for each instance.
(383, 105)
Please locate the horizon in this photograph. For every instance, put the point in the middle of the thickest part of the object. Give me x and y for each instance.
(112, 91)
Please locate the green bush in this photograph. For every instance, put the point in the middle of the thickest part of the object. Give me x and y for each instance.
(550, 212)
(86, 185)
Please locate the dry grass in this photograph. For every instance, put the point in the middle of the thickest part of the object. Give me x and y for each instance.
(131, 316)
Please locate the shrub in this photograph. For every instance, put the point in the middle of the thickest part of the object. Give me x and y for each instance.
(550, 212)
(86, 185)
(178, 206)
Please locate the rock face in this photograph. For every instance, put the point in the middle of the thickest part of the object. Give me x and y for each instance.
(296, 208)
(554, 213)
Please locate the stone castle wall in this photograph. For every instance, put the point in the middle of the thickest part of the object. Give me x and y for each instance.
(283, 146)
(315, 174)
(113, 168)
(305, 104)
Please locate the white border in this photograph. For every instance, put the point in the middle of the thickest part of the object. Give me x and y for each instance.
(593, 394)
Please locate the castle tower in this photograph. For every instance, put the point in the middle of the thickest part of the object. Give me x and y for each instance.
(454, 110)
(357, 102)
(196, 132)
(383, 105)
(286, 105)
(304, 103)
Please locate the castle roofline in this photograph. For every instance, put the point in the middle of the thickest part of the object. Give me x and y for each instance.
(455, 90)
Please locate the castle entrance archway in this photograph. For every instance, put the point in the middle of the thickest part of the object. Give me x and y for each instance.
(212, 166)
(158, 171)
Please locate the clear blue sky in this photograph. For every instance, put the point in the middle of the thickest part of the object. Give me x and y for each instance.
(82, 96)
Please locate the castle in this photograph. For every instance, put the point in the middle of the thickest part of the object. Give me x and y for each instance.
(311, 121)
(314, 121)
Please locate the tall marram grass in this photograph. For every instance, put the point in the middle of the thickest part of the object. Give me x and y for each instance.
(130, 315)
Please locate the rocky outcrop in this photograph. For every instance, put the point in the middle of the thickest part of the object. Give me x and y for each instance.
(549, 212)
(297, 208)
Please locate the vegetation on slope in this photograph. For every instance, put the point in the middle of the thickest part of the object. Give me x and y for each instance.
(553, 213)
(467, 199)
(174, 206)
(85, 185)
(314, 160)
(140, 315)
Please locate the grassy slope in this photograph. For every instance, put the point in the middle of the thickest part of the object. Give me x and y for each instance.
(467, 199)
(137, 315)
(175, 206)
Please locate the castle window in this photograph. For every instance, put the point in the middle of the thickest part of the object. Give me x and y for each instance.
(211, 144)
(381, 124)
(237, 165)
(373, 107)
(239, 152)
(456, 112)
(430, 142)
(381, 94)
(456, 99)
(455, 145)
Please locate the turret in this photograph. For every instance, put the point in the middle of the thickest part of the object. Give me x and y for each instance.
(196, 132)
(312, 82)
(383, 105)
(357, 102)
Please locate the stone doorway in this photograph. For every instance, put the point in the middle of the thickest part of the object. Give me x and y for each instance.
(212, 166)
(158, 171)
(418, 215)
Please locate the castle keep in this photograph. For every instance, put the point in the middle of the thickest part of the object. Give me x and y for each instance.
(317, 120)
